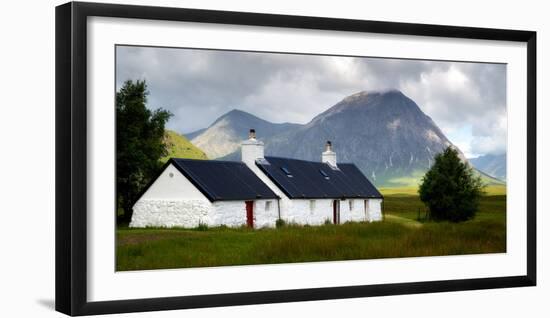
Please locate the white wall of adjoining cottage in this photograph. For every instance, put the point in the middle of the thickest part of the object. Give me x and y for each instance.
(265, 214)
(353, 213)
(299, 211)
(374, 210)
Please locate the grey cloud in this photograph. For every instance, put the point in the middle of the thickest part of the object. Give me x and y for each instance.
(200, 85)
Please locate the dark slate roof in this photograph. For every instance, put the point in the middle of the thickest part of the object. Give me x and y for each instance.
(317, 180)
(223, 180)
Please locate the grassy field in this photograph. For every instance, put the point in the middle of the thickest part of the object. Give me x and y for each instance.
(403, 233)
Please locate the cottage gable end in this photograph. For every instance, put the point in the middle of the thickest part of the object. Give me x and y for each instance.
(171, 184)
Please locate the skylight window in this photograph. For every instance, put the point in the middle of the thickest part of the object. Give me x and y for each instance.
(324, 174)
(287, 172)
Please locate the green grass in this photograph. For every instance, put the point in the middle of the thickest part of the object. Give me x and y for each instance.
(401, 234)
(180, 147)
(496, 189)
(413, 179)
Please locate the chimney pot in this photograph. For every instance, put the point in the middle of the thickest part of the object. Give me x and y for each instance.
(329, 156)
(328, 146)
(252, 134)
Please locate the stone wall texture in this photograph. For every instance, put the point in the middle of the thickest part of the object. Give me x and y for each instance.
(191, 213)
(170, 213)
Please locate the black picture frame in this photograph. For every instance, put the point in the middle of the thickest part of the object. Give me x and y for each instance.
(71, 157)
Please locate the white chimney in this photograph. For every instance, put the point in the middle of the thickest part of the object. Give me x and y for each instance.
(328, 155)
(251, 149)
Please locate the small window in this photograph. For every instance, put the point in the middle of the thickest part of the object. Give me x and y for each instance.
(171, 174)
(324, 174)
(311, 205)
(350, 205)
(267, 205)
(287, 172)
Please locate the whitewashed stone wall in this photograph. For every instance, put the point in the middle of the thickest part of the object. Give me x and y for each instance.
(265, 217)
(233, 213)
(299, 211)
(171, 213)
(230, 213)
(374, 210)
(191, 213)
(355, 214)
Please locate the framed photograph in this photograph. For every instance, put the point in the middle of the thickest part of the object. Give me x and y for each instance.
(227, 158)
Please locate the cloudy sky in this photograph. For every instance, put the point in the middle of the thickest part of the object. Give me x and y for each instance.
(466, 100)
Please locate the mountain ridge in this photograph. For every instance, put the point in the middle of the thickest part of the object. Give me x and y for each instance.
(385, 133)
(226, 133)
(493, 165)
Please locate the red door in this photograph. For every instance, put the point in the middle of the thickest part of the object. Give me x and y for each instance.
(336, 211)
(250, 213)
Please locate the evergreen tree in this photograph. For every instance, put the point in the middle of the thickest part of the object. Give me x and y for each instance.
(450, 189)
(139, 143)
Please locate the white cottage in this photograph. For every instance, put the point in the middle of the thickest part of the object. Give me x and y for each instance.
(257, 191)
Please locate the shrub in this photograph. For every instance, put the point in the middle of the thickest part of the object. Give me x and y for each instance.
(328, 222)
(450, 189)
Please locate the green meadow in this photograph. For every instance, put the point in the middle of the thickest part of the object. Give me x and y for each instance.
(405, 232)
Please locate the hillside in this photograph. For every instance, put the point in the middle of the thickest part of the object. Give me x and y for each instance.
(493, 165)
(180, 147)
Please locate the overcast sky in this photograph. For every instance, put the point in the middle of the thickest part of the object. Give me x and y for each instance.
(466, 100)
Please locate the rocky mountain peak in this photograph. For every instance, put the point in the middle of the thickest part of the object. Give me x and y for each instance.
(368, 93)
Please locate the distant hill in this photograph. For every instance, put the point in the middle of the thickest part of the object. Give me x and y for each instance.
(180, 147)
(384, 133)
(493, 165)
(225, 135)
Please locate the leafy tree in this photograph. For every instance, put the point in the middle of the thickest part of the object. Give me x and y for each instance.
(450, 189)
(139, 143)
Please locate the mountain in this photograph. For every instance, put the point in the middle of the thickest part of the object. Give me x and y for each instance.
(225, 135)
(384, 133)
(194, 134)
(493, 165)
(180, 147)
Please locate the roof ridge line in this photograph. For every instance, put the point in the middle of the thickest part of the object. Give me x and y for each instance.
(209, 160)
